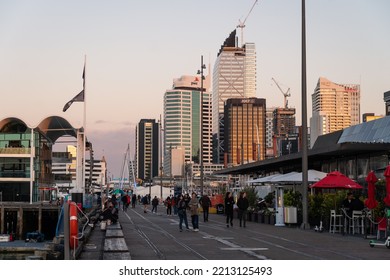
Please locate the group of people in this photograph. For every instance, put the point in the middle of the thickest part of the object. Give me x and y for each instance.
(181, 204)
(110, 210)
(192, 205)
(242, 207)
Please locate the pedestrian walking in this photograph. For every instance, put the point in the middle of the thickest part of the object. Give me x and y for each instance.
(229, 202)
(242, 204)
(182, 212)
(175, 201)
(154, 204)
(187, 199)
(125, 204)
(133, 200)
(168, 205)
(193, 204)
(145, 202)
(206, 204)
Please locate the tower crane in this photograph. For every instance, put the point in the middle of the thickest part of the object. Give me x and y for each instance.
(285, 94)
(242, 23)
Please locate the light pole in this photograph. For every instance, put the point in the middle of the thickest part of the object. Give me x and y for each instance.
(161, 161)
(305, 224)
(202, 66)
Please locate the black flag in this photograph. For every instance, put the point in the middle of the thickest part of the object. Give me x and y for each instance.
(79, 97)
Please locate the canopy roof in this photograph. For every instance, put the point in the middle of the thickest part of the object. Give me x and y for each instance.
(52, 127)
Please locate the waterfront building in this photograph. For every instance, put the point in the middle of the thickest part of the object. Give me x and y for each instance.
(244, 120)
(234, 76)
(353, 151)
(64, 170)
(147, 149)
(183, 124)
(335, 107)
(26, 157)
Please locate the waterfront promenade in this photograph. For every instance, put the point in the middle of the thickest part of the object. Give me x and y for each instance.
(157, 237)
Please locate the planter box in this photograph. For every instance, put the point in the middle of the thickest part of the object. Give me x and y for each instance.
(249, 216)
(272, 219)
(261, 218)
(290, 215)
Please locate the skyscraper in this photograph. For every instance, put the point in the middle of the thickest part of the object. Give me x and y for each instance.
(245, 121)
(234, 76)
(182, 123)
(335, 107)
(146, 145)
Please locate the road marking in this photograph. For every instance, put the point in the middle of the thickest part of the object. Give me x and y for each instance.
(233, 246)
(244, 249)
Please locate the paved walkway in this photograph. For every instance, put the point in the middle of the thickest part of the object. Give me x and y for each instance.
(153, 236)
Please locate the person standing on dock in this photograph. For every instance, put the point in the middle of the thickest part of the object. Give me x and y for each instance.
(154, 204)
(242, 204)
(229, 202)
(206, 204)
(194, 212)
(182, 212)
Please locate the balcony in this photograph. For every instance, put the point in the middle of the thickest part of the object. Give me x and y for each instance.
(15, 151)
(14, 174)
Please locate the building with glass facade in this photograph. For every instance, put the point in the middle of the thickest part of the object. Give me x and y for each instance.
(245, 122)
(26, 158)
(234, 76)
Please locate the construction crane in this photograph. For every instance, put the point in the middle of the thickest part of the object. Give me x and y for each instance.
(285, 94)
(242, 24)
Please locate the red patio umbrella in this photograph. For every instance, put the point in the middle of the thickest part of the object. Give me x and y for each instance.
(336, 180)
(387, 175)
(371, 202)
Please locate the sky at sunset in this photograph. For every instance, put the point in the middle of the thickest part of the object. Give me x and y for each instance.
(134, 50)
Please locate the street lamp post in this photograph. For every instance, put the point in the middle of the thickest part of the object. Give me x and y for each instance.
(161, 162)
(202, 66)
(305, 224)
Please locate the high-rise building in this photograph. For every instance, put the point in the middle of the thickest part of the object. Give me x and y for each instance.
(182, 121)
(386, 98)
(283, 122)
(245, 120)
(269, 132)
(147, 149)
(335, 107)
(234, 76)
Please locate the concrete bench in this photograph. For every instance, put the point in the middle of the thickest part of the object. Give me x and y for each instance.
(115, 247)
(116, 256)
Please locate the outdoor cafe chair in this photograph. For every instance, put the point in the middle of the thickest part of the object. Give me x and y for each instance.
(357, 222)
(336, 222)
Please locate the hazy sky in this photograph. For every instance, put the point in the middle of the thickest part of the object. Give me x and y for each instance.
(135, 49)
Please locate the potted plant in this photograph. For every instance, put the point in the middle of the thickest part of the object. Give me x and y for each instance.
(292, 200)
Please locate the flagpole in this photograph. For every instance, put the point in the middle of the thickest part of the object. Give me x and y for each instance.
(85, 122)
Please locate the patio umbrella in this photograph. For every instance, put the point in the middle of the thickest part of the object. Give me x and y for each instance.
(371, 202)
(336, 180)
(387, 175)
(313, 176)
(118, 191)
